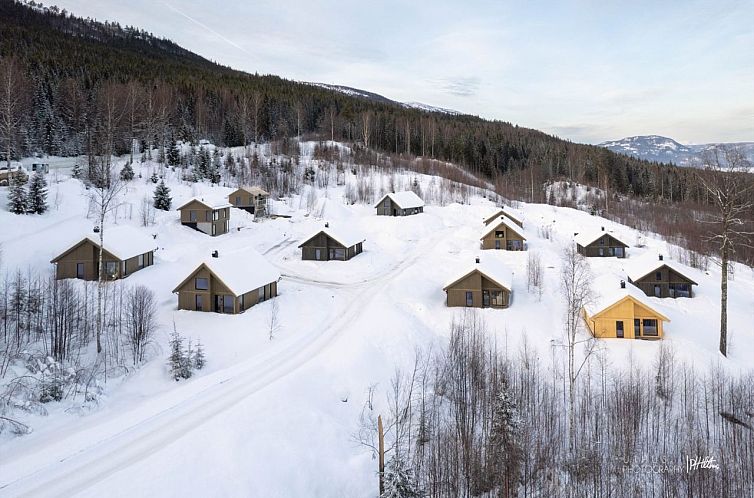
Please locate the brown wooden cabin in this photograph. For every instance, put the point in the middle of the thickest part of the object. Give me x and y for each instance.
(485, 285)
(126, 251)
(600, 244)
(660, 278)
(329, 244)
(517, 219)
(212, 218)
(228, 284)
(250, 199)
(400, 204)
(505, 235)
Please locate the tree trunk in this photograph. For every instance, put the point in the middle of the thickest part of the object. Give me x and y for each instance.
(724, 300)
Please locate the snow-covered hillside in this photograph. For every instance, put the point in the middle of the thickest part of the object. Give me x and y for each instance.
(275, 418)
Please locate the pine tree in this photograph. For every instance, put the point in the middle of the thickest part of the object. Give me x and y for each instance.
(398, 480)
(173, 154)
(199, 358)
(77, 171)
(176, 361)
(162, 199)
(17, 195)
(127, 173)
(36, 200)
(505, 449)
(154, 177)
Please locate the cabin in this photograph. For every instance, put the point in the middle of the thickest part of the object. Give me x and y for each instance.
(505, 234)
(229, 283)
(658, 277)
(400, 204)
(332, 244)
(250, 199)
(209, 216)
(486, 284)
(126, 251)
(622, 312)
(599, 244)
(516, 217)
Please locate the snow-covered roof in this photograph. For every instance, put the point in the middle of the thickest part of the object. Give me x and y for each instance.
(240, 272)
(606, 291)
(511, 213)
(512, 225)
(345, 236)
(404, 200)
(211, 201)
(641, 266)
(254, 190)
(491, 267)
(123, 242)
(586, 237)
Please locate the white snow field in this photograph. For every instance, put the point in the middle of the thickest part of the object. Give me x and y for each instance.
(275, 418)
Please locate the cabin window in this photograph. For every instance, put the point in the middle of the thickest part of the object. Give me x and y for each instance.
(123, 269)
(215, 215)
(224, 304)
(658, 276)
(485, 298)
(499, 234)
(637, 327)
(111, 268)
(238, 200)
(619, 252)
(207, 216)
(602, 252)
(193, 216)
(141, 261)
(650, 327)
(199, 302)
(497, 298)
(602, 241)
(79, 270)
(214, 229)
(340, 254)
(469, 298)
(680, 290)
(261, 295)
(497, 244)
(619, 329)
(201, 283)
(386, 203)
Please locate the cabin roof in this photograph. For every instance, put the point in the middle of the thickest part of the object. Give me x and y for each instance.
(124, 242)
(511, 213)
(607, 292)
(586, 237)
(638, 267)
(405, 200)
(492, 268)
(254, 190)
(345, 236)
(240, 272)
(210, 201)
(509, 223)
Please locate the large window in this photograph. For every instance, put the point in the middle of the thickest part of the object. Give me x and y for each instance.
(199, 302)
(79, 270)
(658, 276)
(261, 295)
(340, 254)
(497, 298)
(680, 290)
(469, 298)
(499, 234)
(141, 261)
(193, 216)
(649, 326)
(111, 268)
(208, 216)
(387, 202)
(201, 283)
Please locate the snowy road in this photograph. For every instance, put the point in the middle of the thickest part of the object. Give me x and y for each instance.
(81, 459)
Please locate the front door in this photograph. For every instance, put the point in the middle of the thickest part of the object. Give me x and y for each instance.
(199, 303)
(619, 329)
(497, 244)
(318, 254)
(485, 299)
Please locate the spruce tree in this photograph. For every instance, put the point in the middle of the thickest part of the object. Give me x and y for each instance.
(77, 171)
(36, 200)
(199, 358)
(176, 360)
(504, 440)
(162, 199)
(154, 177)
(127, 173)
(173, 154)
(17, 195)
(399, 482)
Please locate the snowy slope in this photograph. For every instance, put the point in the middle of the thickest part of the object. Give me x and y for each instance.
(275, 417)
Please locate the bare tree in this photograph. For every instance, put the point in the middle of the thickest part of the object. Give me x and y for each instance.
(273, 319)
(12, 102)
(141, 320)
(366, 118)
(728, 179)
(535, 279)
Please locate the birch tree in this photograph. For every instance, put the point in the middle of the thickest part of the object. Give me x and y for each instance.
(728, 180)
(13, 86)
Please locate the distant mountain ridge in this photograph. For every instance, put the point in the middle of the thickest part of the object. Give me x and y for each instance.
(664, 149)
(376, 97)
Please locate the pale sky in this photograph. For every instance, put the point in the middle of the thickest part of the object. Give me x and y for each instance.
(586, 70)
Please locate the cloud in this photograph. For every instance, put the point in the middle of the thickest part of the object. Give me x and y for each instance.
(460, 86)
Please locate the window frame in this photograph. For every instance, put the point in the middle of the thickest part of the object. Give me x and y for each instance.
(196, 283)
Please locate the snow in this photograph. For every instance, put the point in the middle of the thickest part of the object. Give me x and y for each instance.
(491, 266)
(607, 291)
(123, 242)
(212, 201)
(241, 271)
(509, 223)
(346, 236)
(638, 267)
(254, 190)
(262, 407)
(587, 236)
(405, 200)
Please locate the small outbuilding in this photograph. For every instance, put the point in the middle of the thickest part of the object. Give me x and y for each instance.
(486, 284)
(622, 311)
(514, 216)
(400, 204)
(659, 277)
(332, 244)
(505, 234)
(127, 250)
(599, 243)
(229, 283)
(206, 215)
(250, 199)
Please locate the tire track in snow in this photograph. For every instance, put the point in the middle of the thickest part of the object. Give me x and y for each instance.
(88, 465)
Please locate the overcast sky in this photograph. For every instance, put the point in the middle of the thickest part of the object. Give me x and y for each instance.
(588, 70)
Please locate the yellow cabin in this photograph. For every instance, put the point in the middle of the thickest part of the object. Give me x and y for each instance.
(623, 314)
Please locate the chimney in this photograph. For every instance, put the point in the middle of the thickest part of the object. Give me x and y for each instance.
(660, 256)
(603, 228)
(477, 260)
(215, 254)
(622, 284)
(327, 224)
